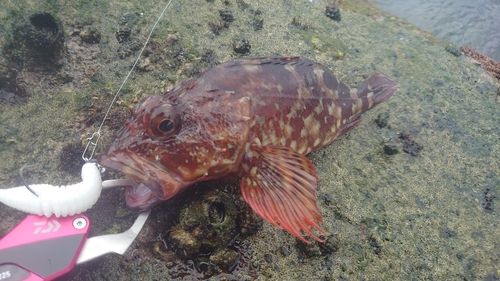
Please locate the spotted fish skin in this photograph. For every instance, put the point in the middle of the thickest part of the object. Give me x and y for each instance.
(252, 118)
(298, 103)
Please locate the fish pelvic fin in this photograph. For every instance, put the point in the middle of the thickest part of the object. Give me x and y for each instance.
(281, 188)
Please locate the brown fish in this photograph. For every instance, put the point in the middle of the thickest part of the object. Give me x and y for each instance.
(252, 118)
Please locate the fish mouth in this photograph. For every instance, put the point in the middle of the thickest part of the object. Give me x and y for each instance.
(140, 197)
(156, 185)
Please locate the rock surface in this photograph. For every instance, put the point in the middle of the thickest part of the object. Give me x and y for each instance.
(428, 211)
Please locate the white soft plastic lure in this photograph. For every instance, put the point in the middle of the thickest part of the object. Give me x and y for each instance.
(60, 201)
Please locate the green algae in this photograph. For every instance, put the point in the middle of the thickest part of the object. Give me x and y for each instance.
(433, 216)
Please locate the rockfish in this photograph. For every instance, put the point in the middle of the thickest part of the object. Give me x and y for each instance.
(255, 119)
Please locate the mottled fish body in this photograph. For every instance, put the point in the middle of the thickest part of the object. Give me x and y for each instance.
(252, 118)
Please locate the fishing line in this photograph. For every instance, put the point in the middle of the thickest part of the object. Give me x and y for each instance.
(94, 139)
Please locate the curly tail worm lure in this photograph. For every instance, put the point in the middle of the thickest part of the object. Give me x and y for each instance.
(62, 201)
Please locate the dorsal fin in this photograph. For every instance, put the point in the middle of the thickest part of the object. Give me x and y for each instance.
(276, 60)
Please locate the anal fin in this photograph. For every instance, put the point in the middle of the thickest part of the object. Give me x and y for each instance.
(281, 187)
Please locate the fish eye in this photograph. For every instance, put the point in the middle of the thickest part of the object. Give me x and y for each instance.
(164, 123)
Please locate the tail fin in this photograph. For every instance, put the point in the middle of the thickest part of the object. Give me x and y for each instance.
(378, 87)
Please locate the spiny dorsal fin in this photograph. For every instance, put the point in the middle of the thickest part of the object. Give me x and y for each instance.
(276, 60)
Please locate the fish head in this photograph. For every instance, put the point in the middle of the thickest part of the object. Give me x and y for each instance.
(168, 146)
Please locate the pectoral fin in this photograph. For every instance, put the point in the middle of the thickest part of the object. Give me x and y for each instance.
(281, 187)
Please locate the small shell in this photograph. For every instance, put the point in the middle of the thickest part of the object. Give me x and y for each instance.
(57, 200)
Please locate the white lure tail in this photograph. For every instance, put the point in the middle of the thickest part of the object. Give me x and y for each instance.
(60, 201)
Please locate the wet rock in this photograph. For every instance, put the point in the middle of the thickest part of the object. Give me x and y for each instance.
(217, 27)
(12, 94)
(127, 48)
(258, 21)
(488, 199)
(248, 221)
(285, 250)
(130, 19)
(333, 12)
(268, 258)
(438, 82)
(325, 199)
(90, 35)
(204, 224)
(309, 250)
(123, 33)
(128, 45)
(454, 50)
(37, 40)
(382, 120)
(409, 145)
(187, 246)
(145, 65)
(316, 249)
(377, 249)
(224, 257)
(203, 264)
(7, 70)
(390, 147)
(207, 228)
(445, 232)
(329, 246)
(241, 46)
(70, 158)
(226, 15)
(300, 25)
(242, 4)
(209, 58)
(44, 32)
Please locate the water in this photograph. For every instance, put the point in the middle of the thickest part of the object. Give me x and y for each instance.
(462, 22)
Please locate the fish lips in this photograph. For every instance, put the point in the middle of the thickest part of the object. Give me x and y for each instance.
(156, 184)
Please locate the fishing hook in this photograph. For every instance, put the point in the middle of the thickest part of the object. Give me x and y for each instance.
(22, 177)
